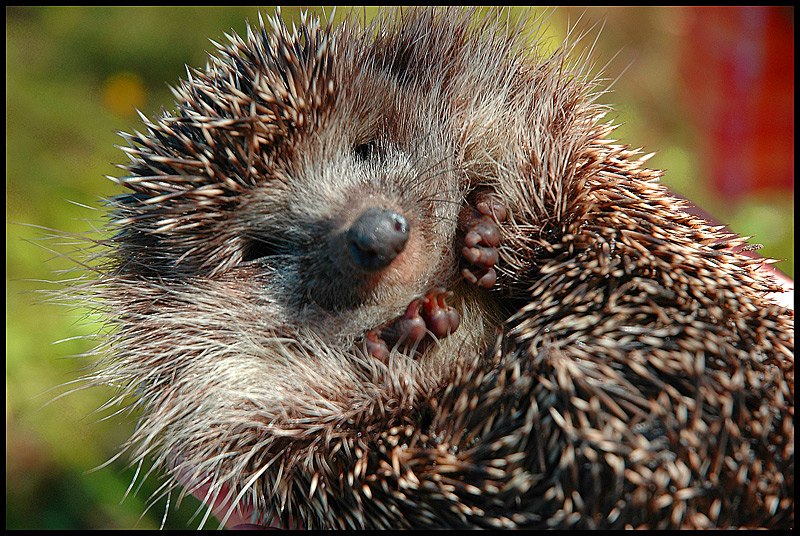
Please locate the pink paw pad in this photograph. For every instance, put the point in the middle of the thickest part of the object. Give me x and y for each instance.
(482, 236)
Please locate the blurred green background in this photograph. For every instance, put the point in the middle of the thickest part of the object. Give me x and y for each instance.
(74, 76)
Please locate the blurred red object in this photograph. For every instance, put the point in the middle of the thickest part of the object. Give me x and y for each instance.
(738, 68)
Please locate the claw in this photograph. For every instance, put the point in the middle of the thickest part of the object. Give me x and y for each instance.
(375, 346)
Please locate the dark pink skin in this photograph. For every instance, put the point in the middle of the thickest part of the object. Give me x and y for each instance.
(481, 226)
(425, 318)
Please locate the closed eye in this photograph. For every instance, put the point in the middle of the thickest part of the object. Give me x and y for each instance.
(259, 248)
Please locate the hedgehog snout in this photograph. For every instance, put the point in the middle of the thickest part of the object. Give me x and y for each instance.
(377, 237)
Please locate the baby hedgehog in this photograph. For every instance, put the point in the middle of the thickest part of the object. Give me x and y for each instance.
(398, 275)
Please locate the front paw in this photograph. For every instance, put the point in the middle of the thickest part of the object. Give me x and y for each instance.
(481, 226)
(426, 318)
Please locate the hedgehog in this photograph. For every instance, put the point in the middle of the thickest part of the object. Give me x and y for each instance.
(398, 274)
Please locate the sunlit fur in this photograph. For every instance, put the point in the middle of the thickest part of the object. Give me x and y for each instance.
(626, 370)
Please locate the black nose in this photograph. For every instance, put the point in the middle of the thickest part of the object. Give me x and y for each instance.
(377, 237)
